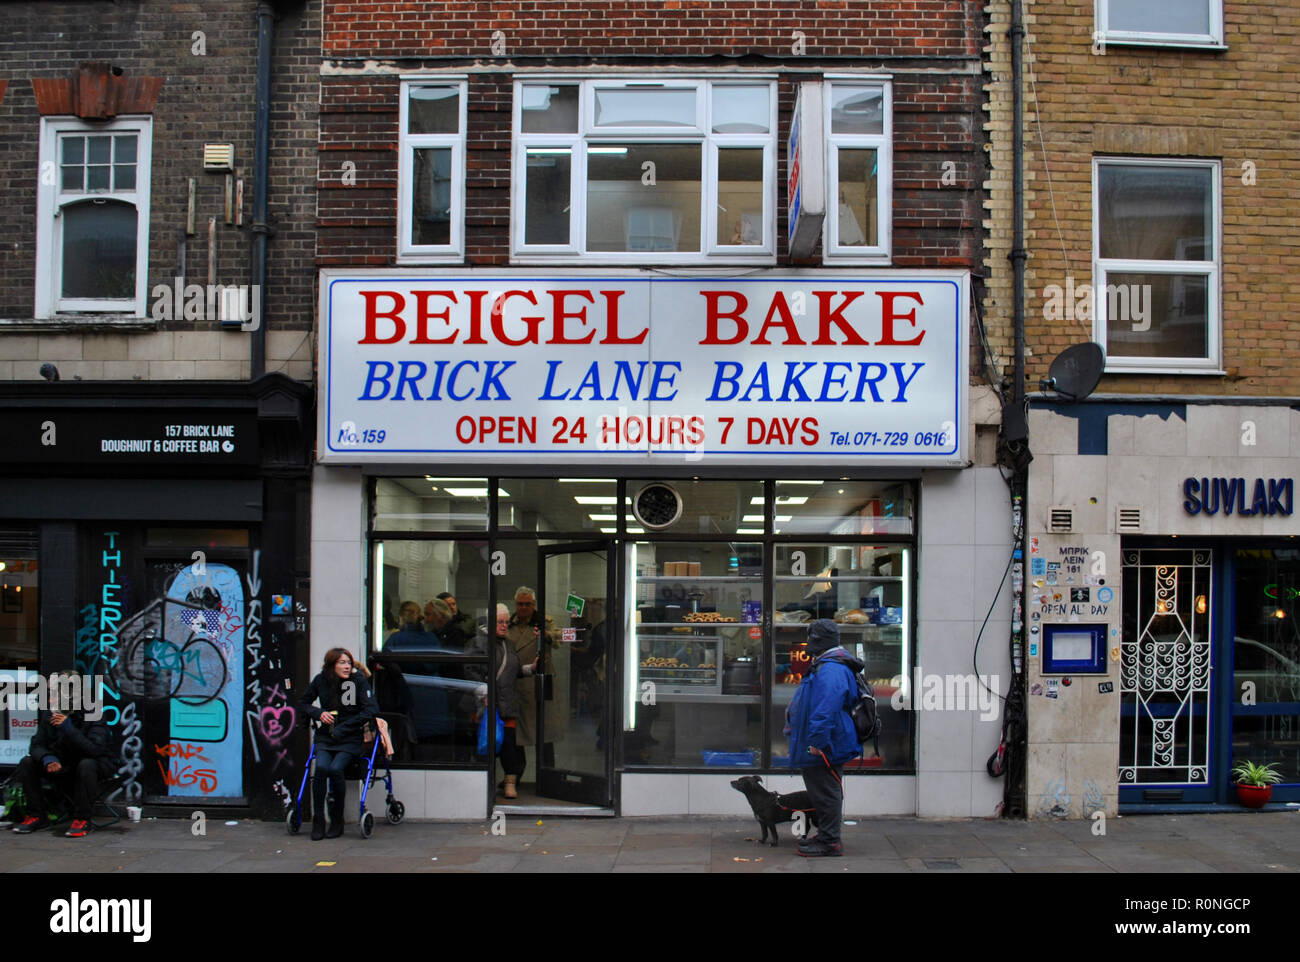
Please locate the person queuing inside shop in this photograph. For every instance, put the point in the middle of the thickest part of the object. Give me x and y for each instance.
(525, 636)
(461, 630)
(346, 706)
(506, 666)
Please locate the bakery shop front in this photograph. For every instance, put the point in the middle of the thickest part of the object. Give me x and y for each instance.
(682, 473)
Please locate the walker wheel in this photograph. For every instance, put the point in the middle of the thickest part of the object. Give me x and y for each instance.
(367, 824)
(396, 812)
(291, 821)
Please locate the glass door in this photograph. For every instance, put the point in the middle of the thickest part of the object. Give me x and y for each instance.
(576, 592)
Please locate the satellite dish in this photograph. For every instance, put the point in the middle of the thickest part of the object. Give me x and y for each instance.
(1076, 371)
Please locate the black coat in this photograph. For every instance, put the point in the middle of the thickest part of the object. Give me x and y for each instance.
(72, 741)
(349, 720)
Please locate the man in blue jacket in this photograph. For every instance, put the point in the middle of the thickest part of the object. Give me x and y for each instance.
(822, 736)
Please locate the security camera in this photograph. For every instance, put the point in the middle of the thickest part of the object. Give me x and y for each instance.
(49, 372)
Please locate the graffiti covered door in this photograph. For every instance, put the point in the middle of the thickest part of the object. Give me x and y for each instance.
(201, 651)
(1166, 749)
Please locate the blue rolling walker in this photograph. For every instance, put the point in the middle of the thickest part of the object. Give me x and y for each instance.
(396, 810)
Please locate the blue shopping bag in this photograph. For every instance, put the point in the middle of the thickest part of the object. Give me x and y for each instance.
(483, 733)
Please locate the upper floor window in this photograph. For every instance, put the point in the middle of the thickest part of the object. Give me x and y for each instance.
(431, 172)
(1156, 273)
(92, 234)
(1173, 23)
(673, 170)
(858, 121)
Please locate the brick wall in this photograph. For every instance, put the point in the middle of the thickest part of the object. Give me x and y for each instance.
(204, 98)
(1237, 105)
(932, 49)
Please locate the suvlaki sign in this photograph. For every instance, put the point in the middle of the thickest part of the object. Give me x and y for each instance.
(602, 367)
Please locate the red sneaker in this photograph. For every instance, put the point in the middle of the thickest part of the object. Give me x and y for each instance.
(29, 824)
(79, 828)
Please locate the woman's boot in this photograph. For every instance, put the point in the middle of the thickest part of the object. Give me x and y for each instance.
(318, 815)
(510, 786)
(336, 815)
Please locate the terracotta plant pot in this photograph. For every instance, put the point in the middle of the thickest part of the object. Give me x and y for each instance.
(1254, 796)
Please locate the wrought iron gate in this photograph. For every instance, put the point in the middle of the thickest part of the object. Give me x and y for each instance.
(1165, 666)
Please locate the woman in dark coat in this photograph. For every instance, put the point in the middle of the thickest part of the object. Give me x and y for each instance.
(506, 666)
(346, 706)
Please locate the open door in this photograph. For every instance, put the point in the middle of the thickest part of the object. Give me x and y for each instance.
(574, 699)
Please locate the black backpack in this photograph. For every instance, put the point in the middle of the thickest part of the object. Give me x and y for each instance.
(866, 718)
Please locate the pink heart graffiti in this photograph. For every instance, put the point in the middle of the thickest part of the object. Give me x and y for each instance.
(276, 723)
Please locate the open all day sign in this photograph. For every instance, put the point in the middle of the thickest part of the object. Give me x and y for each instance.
(637, 368)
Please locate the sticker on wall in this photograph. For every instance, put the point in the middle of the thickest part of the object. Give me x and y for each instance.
(1114, 652)
(1033, 650)
(1038, 566)
(281, 604)
(1053, 566)
(1105, 687)
(568, 635)
(1033, 546)
(1051, 577)
(1036, 689)
(1053, 690)
(1091, 580)
(1104, 595)
(1065, 682)
(1069, 579)
(1080, 595)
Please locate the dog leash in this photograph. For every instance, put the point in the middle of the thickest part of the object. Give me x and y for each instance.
(831, 767)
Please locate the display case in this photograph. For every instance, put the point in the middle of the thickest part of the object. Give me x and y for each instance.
(698, 636)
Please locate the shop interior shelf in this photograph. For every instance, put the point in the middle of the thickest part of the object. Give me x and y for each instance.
(693, 626)
(819, 578)
(756, 578)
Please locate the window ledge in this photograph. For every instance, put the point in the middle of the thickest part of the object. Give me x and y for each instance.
(1208, 371)
(1212, 46)
(72, 323)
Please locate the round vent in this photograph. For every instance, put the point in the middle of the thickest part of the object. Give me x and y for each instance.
(657, 506)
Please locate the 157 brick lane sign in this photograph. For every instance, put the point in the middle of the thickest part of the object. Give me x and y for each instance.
(630, 368)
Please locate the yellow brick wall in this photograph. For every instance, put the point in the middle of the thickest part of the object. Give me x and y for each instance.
(1238, 105)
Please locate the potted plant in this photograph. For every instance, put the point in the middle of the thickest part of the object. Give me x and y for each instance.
(1255, 783)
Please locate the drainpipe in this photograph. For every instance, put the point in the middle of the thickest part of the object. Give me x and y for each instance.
(1015, 790)
(261, 169)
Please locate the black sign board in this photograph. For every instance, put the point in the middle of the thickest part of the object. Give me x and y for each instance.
(129, 436)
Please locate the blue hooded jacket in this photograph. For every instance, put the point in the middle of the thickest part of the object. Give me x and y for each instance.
(819, 713)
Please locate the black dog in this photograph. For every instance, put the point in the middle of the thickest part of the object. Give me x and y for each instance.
(771, 808)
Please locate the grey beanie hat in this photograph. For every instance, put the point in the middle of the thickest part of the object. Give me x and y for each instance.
(823, 635)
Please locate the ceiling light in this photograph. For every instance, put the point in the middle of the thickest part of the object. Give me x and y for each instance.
(609, 530)
(598, 499)
(587, 481)
(749, 531)
(607, 150)
(636, 530)
(475, 492)
(795, 500)
(603, 517)
(779, 483)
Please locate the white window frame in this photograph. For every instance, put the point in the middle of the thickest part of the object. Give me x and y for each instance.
(1102, 267)
(50, 201)
(883, 143)
(1213, 40)
(711, 250)
(454, 250)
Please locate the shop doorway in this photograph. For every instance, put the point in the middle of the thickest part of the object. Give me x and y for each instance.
(1209, 670)
(1168, 712)
(575, 698)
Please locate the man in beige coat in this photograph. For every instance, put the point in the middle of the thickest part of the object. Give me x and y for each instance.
(524, 634)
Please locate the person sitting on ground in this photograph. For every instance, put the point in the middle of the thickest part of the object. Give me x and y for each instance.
(72, 751)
